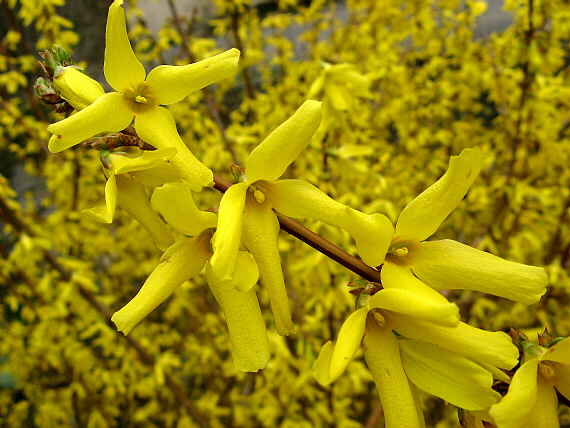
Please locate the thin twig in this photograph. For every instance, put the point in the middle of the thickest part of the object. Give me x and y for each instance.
(317, 242)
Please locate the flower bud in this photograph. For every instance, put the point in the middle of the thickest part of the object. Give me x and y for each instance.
(45, 91)
(77, 88)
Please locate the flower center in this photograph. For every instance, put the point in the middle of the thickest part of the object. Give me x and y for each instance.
(546, 370)
(139, 98)
(260, 190)
(400, 251)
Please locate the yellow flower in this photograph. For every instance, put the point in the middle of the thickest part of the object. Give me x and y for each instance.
(246, 210)
(448, 264)
(69, 79)
(341, 85)
(141, 99)
(127, 170)
(531, 399)
(455, 371)
(184, 260)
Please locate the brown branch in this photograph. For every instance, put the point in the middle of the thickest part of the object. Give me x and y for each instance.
(318, 243)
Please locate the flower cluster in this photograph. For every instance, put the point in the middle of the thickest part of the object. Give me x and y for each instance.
(438, 353)
(413, 337)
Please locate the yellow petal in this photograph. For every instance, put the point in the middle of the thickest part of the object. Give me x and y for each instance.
(170, 84)
(227, 238)
(270, 159)
(122, 68)
(559, 353)
(562, 378)
(260, 230)
(417, 306)
(357, 83)
(250, 346)
(382, 355)
(322, 365)
(394, 276)
(176, 204)
(349, 338)
(158, 175)
(299, 199)
(246, 272)
(448, 375)
(494, 348)
(515, 407)
(132, 197)
(338, 95)
(109, 113)
(147, 159)
(448, 264)
(544, 414)
(105, 213)
(316, 87)
(179, 263)
(372, 234)
(100, 214)
(76, 87)
(156, 126)
(422, 217)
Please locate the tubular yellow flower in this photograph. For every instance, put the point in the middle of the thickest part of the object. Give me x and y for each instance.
(531, 399)
(128, 168)
(340, 84)
(451, 372)
(141, 98)
(246, 210)
(448, 264)
(185, 259)
(67, 79)
(179, 263)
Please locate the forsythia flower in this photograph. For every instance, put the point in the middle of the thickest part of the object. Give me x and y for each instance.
(448, 264)
(531, 399)
(185, 259)
(67, 79)
(341, 84)
(142, 99)
(246, 210)
(127, 168)
(453, 372)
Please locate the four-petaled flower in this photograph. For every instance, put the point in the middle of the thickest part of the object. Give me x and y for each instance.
(127, 170)
(448, 264)
(141, 99)
(184, 260)
(246, 210)
(341, 85)
(531, 399)
(449, 361)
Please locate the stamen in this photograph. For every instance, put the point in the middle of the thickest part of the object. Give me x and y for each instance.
(380, 320)
(401, 252)
(126, 176)
(140, 99)
(259, 196)
(546, 370)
